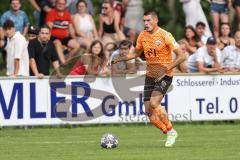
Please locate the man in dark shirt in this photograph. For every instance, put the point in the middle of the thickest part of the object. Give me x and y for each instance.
(42, 53)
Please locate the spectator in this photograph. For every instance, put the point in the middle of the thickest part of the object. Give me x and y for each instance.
(231, 55)
(84, 25)
(194, 13)
(18, 17)
(17, 53)
(36, 4)
(219, 12)
(201, 31)
(133, 19)
(71, 6)
(182, 67)
(192, 40)
(123, 67)
(224, 39)
(109, 22)
(46, 6)
(207, 58)
(60, 22)
(94, 62)
(32, 33)
(236, 5)
(41, 53)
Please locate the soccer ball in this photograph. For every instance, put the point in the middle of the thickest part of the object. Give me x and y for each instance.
(108, 140)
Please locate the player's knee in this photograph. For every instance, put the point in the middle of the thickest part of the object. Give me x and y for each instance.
(154, 104)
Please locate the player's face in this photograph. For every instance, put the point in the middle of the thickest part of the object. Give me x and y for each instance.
(150, 23)
(44, 35)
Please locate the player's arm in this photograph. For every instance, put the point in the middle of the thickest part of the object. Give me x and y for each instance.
(180, 57)
(136, 53)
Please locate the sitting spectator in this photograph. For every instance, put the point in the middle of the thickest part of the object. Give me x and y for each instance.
(94, 62)
(231, 55)
(224, 39)
(17, 53)
(123, 67)
(71, 6)
(60, 21)
(192, 40)
(18, 17)
(200, 30)
(41, 52)
(32, 33)
(109, 24)
(84, 25)
(182, 67)
(219, 13)
(206, 59)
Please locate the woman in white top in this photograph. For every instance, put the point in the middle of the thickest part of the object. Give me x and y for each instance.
(84, 25)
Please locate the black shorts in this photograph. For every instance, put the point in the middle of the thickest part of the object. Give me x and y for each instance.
(64, 41)
(161, 86)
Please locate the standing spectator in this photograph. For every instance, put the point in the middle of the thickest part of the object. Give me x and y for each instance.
(71, 6)
(207, 58)
(219, 12)
(18, 17)
(133, 19)
(224, 39)
(201, 31)
(42, 53)
(94, 62)
(84, 25)
(17, 53)
(194, 13)
(123, 67)
(231, 55)
(109, 24)
(60, 21)
(236, 5)
(36, 4)
(192, 40)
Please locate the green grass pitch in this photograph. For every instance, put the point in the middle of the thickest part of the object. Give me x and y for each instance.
(136, 142)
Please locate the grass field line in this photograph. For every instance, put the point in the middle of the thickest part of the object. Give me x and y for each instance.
(65, 142)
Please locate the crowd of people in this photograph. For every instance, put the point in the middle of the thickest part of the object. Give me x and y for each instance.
(66, 32)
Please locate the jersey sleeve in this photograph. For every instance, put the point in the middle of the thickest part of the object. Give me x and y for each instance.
(139, 45)
(171, 42)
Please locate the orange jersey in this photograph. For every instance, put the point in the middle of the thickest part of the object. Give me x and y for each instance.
(157, 47)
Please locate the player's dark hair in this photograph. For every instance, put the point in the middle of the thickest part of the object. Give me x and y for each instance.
(8, 24)
(125, 43)
(152, 13)
(200, 23)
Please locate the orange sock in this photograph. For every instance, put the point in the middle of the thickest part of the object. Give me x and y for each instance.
(164, 118)
(154, 119)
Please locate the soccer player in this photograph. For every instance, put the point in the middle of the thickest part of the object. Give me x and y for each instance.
(157, 45)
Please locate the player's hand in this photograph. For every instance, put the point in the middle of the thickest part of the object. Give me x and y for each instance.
(162, 73)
